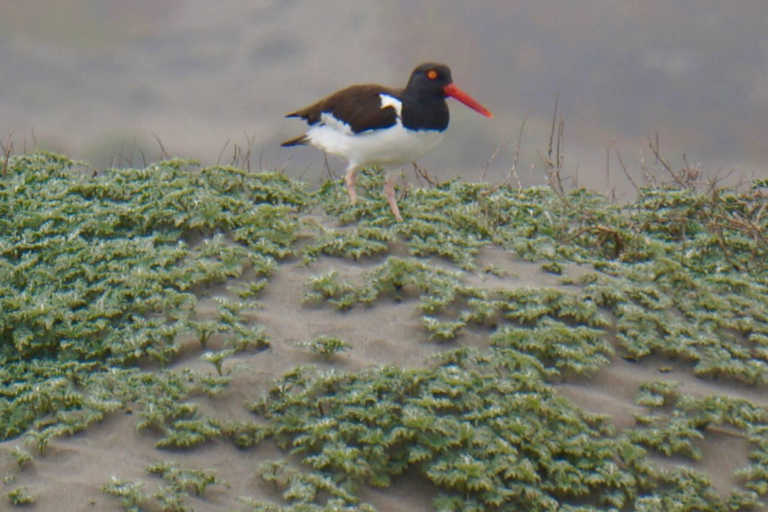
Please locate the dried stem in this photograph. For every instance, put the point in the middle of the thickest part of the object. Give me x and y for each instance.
(626, 172)
(659, 159)
(163, 153)
(422, 173)
(218, 160)
(7, 150)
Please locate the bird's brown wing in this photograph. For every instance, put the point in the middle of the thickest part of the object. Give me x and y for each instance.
(358, 106)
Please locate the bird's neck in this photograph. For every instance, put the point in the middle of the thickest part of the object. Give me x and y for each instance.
(424, 112)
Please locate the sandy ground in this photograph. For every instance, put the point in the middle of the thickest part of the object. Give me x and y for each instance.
(70, 477)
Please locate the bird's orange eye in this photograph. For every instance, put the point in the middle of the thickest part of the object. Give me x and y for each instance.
(431, 74)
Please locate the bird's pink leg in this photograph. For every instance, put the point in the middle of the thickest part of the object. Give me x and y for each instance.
(389, 191)
(350, 180)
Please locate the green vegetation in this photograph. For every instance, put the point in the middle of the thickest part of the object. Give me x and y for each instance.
(484, 441)
(326, 346)
(105, 278)
(23, 457)
(20, 496)
(170, 496)
(131, 494)
(102, 273)
(488, 431)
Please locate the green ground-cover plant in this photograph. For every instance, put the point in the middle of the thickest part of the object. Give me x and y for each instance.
(488, 432)
(372, 426)
(20, 496)
(720, 229)
(333, 505)
(302, 486)
(578, 349)
(82, 254)
(303, 491)
(437, 287)
(716, 321)
(22, 457)
(131, 494)
(170, 497)
(356, 242)
(440, 223)
(657, 394)
(678, 430)
(101, 271)
(325, 346)
(185, 479)
(564, 348)
(681, 272)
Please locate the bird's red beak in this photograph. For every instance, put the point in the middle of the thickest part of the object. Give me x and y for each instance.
(454, 92)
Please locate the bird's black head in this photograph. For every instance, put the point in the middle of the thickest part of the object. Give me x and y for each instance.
(429, 78)
(429, 85)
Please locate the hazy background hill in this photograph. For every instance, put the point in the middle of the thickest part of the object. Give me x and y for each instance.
(97, 78)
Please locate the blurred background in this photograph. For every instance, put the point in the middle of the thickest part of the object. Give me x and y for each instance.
(103, 80)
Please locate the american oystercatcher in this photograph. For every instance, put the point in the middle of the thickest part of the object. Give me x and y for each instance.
(373, 125)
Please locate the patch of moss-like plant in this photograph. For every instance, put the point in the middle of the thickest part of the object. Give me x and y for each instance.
(22, 457)
(20, 496)
(185, 479)
(442, 291)
(677, 432)
(440, 225)
(437, 221)
(372, 426)
(682, 271)
(131, 494)
(487, 431)
(171, 496)
(559, 346)
(355, 242)
(655, 395)
(100, 271)
(714, 321)
(395, 277)
(326, 346)
(299, 486)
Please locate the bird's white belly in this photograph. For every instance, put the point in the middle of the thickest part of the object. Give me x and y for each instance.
(390, 147)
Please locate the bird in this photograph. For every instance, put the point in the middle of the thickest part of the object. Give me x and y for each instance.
(376, 126)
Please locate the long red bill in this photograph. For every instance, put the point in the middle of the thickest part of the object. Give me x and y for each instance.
(453, 91)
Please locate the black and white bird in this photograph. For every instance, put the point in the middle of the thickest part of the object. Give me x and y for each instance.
(373, 125)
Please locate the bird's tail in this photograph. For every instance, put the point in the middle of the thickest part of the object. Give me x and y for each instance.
(298, 141)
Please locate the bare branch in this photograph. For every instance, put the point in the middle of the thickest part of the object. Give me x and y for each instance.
(218, 160)
(626, 173)
(163, 153)
(422, 173)
(513, 169)
(608, 165)
(7, 150)
(246, 159)
(552, 131)
(331, 174)
(659, 159)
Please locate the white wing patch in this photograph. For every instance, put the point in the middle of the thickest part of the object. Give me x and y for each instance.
(335, 124)
(389, 101)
